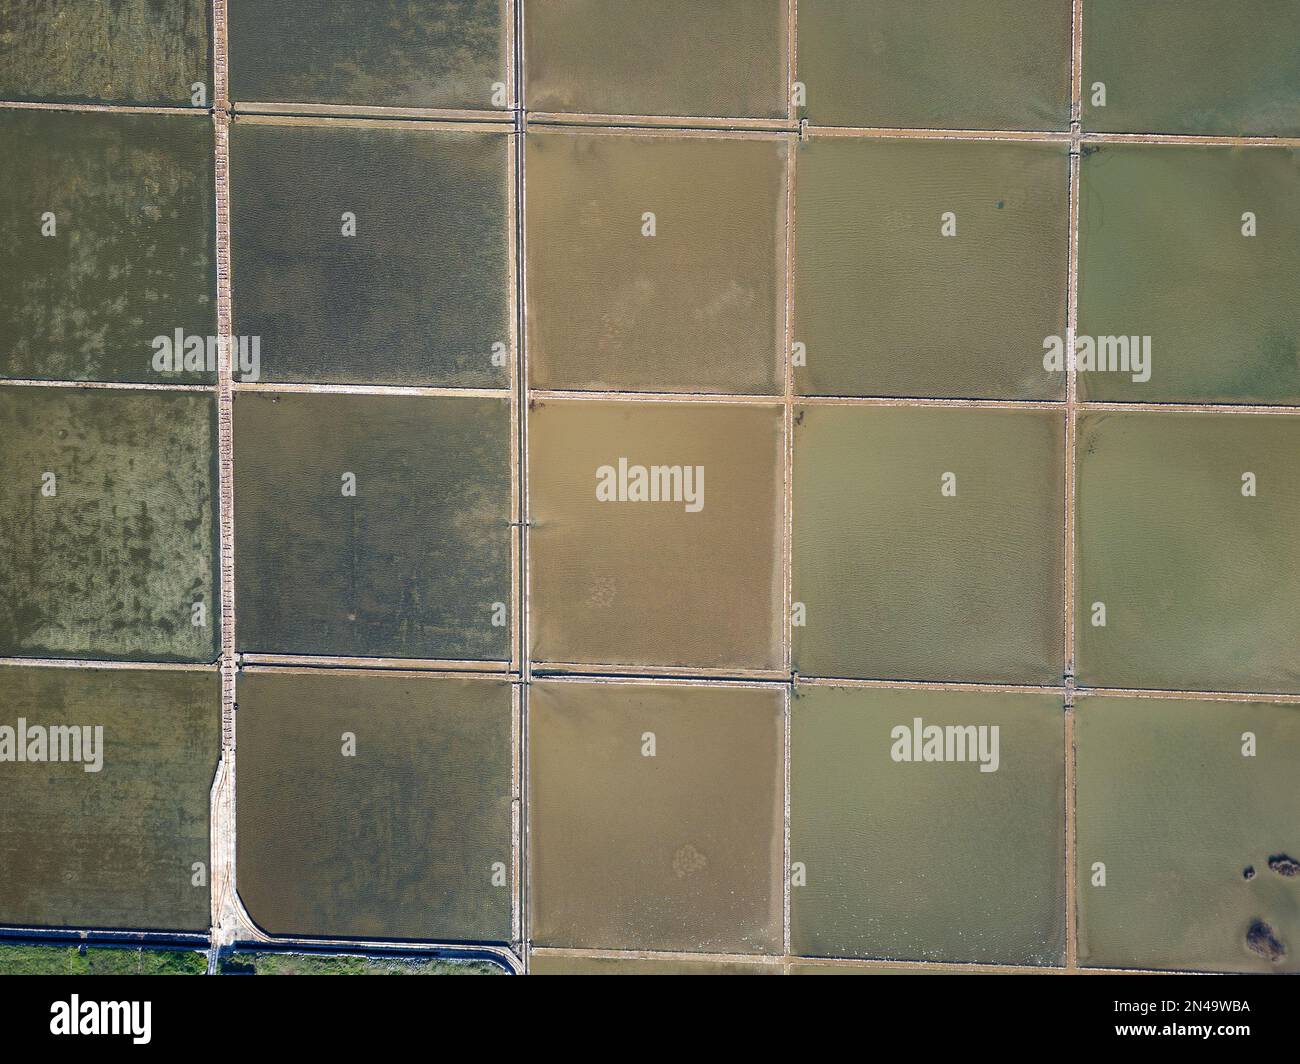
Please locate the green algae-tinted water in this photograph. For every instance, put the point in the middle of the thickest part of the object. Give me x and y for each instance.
(1193, 835)
(726, 58)
(902, 581)
(939, 861)
(115, 848)
(383, 53)
(1198, 580)
(118, 52)
(655, 583)
(409, 838)
(418, 294)
(676, 851)
(107, 241)
(1163, 254)
(698, 305)
(412, 565)
(1193, 66)
(108, 536)
(936, 64)
(930, 268)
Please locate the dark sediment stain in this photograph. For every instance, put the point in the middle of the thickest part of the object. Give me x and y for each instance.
(1262, 939)
(1284, 865)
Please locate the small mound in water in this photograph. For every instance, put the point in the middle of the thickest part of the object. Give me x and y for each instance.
(1263, 940)
(1284, 865)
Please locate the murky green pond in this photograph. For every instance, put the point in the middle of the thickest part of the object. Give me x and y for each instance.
(91, 51)
(107, 241)
(1198, 579)
(938, 64)
(930, 268)
(373, 525)
(656, 263)
(1164, 254)
(956, 858)
(1193, 66)
(692, 578)
(928, 544)
(726, 58)
(383, 53)
(388, 273)
(125, 845)
(1199, 842)
(407, 836)
(108, 534)
(676, 851)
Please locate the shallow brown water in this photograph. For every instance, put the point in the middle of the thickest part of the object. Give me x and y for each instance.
(679, 851)
(651, 583)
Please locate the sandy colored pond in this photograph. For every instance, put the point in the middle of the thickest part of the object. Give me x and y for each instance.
(698, 305)
(724, 58)
(677, 851)
(627, 582)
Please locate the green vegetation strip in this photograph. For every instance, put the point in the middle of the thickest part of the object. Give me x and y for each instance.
(74, 960)
(306, 964)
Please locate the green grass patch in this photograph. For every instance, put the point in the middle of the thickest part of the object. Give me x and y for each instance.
(106, 960)
(307, 964)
